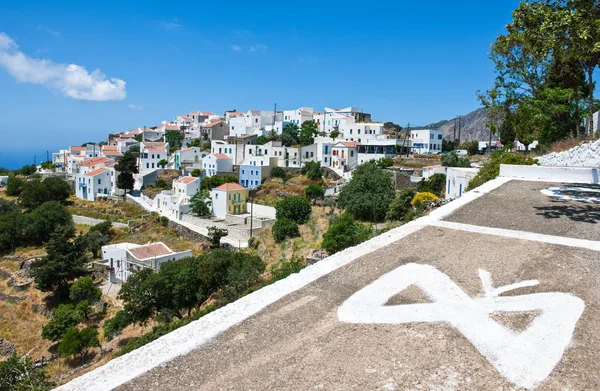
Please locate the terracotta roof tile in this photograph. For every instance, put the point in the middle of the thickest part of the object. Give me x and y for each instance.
(231, 186)
(221, 156)
(150, 251)
(96, 172)
(187, 180)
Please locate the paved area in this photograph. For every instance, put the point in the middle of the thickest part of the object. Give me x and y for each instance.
(486, 293)
(521, 205)
(92, 222)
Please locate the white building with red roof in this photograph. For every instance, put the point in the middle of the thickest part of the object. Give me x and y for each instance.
(217, 163)
(151, 153)
(92, 184)
(176, 202)
(344, 156)
(125, 259)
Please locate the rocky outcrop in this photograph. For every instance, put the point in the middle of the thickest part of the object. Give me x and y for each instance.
(472, 127)
(585, 155)
(6, 348)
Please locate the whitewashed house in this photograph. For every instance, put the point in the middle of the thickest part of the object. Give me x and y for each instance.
(426, 141)
(125, 259)
(96, 183)
(189, 157)
(217, 163)
(457, 181)
(254, 170)
(428, 171)
(186, 187)
(234, 150)
(150, 154)
(230, 198)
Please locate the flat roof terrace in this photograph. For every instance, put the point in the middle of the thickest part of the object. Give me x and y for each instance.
(490, 291)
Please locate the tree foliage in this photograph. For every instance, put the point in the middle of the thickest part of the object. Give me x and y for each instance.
(343, 233)
(63, 318)
(174, 138)
(65, 261)
(210, 182)
(14, 186)
(435, 184)
(215, 234)
(453, 160)
(295, 208)
(78, 342)
(314, 192)
(36, 192)
(126, 166)
(84, 289)
(200, 203)
(308, 131)
(18, 374)
(278, 172)
(491, 169)
(285, 228)
(290, 135)
(401, 206)
(368, 194)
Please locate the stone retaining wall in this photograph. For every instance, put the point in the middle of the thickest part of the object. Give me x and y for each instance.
(11, 299)
(6, 348)
(585, 155)
(186, 232)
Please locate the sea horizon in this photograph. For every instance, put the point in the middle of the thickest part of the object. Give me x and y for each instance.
(18, 157)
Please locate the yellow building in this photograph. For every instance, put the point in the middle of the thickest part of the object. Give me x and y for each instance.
(230, 198)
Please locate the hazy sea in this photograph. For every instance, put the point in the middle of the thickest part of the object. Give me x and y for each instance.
(16, 158)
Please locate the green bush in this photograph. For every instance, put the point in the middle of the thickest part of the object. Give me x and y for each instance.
(401, 206)
(312, 170)
(285, 228)
(63, 318)
(385, 162)
(453, 160)
(294, 208)
(492, 169)
(195, 172)
(343, 233)
(283, 268)
(369, 193)
(314, 192)
(278, 172)
(435, 184)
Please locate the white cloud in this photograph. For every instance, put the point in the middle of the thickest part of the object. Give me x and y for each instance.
(236, 48)
(171, 25)
(72, 80)
(56, 33)
(135, 107)
(257, 47)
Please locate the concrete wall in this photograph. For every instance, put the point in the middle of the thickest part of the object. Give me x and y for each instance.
(551, 174)
(261, 210)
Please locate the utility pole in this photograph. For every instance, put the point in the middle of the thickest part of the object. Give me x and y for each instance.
(454, 137)
(459, 118)
(251, 214)
(407, 140)
(47, 156)
(274, 115)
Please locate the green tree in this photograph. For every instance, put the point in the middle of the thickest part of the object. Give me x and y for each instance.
(472, 147)
(401, 206)
(215, 234)
(453, 160)
(368, 194)
(104, 228)
(308, 131)
(196, 172)
(343, 233)
(174, 138)
(285, 268)
(384, 162)
(64, 317)
(314, 192)
(36, 192)
(7, 206)
(39, 224)
(18, 374)
(200, 203)
(126, 166)
(285, 228)
(289, 135)
(491, 101)
(334, 134)
(435, 184)
(78, 342)
(294, 208)
(447, 146)
(491, 169)
(84, 309)
(143, 294)
(94, 240)
(312, 170)
(260, 140)
(115, 325)
(278, 172)
(163, 163)
(14, 186)
(84, 289)
(65, 261)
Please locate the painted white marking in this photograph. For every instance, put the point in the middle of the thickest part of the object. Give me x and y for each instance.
(586, 194)
(524, 235)
(490, 291)
(193, 336)
(524, 358)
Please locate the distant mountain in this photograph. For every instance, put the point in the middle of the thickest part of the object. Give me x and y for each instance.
(472, 127)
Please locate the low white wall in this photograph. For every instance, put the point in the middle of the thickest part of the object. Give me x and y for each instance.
(551, 174)
(261, 210)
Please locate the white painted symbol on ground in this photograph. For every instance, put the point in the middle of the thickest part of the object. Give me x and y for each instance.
(524, 358)
(584, 194)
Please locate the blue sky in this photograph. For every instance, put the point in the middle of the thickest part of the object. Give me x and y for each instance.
(404, 61)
